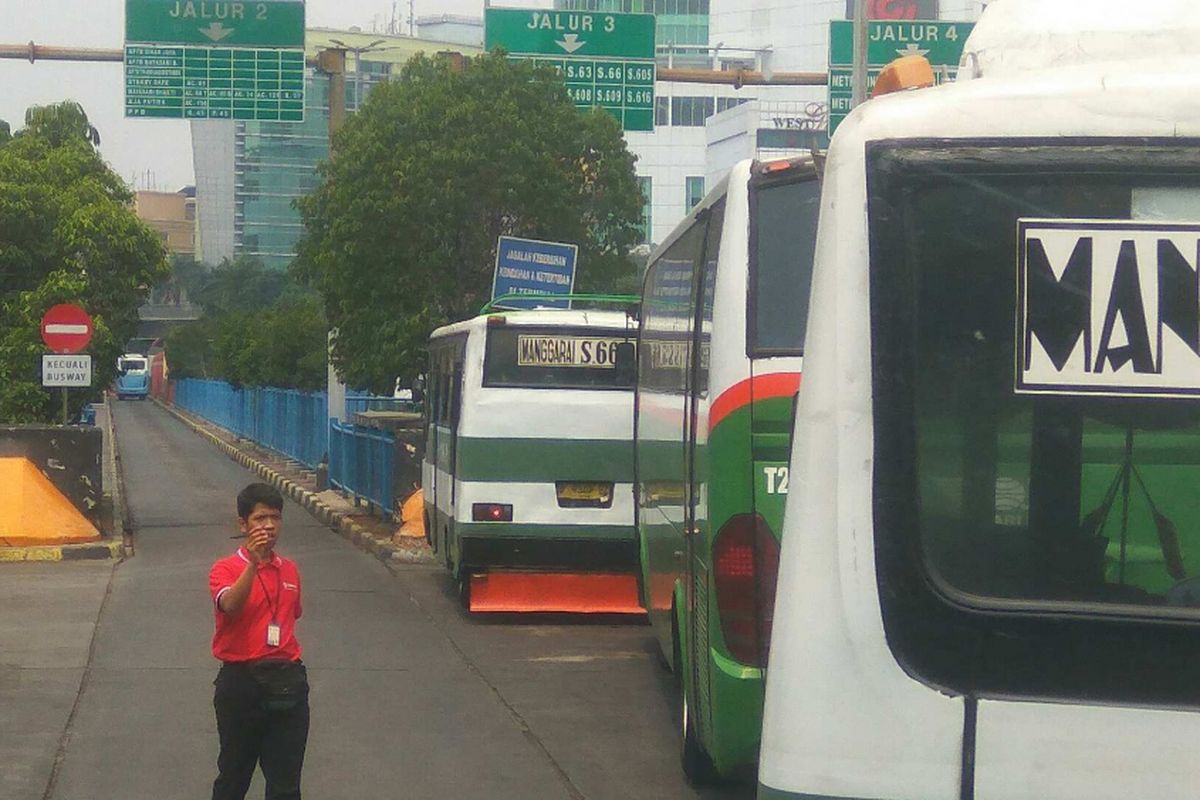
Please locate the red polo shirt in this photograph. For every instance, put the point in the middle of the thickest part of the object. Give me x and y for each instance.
(274, 595)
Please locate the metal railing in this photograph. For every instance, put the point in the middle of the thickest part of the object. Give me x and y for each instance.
(288, 421)
(362, 462)
(357, 403)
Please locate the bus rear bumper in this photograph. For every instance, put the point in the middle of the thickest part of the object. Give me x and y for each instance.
(548, 550)
(563, 592)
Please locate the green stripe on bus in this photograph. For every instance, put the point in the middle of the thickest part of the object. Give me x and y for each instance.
(513, 530)
(542, 460)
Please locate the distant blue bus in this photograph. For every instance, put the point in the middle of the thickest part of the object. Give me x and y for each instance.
(133, 376)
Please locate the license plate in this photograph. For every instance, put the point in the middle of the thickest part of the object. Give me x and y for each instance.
(578, 491)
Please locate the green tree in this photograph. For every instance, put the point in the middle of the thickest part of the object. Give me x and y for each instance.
(401, 234)
(22, 398)
(5, 132)
(60, 122)
(240, 284)
(67, 233)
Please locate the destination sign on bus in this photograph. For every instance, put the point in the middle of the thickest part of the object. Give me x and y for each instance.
(1108, 308)
(567, 351)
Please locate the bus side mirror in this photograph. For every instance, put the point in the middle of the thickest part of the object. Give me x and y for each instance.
(625, 362)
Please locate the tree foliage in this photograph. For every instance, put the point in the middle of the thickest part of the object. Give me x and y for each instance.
(59, 123)
(400, 237)
(258, 329)
(67, 234)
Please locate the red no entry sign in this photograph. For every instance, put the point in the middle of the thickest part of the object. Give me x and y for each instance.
(66, 328)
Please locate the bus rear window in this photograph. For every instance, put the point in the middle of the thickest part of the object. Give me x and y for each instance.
(1041, 336)
(784, 232)
(554, 358)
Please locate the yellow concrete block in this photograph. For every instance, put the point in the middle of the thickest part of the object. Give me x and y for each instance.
(33, 512)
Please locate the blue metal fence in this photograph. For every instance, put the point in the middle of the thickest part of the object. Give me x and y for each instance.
(297, 424)
(361, 461)
(289, 421)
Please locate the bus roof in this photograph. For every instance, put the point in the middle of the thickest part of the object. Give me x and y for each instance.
(542, 316)
(741, 171)
(1017, 36)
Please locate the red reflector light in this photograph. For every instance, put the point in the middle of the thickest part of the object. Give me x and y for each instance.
(745, 565)
(491, 512)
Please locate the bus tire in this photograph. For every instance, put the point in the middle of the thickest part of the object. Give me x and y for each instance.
(464, 589)
(697, 765)
(430, 539)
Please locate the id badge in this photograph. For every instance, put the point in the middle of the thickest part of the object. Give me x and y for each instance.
(273, 635)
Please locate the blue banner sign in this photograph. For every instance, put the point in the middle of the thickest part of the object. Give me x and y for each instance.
(527, 266)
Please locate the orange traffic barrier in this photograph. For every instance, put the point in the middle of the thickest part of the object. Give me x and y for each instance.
(34, 512)
(412, 516)
(575, 593)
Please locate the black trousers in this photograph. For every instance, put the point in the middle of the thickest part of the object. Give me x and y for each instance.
(254, 731)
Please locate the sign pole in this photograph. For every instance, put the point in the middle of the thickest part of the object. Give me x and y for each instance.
(859, 75)
(64, 393)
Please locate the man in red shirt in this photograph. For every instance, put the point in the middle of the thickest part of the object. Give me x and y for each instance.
(261, 697)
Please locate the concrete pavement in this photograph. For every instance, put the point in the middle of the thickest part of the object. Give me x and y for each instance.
(411, 698)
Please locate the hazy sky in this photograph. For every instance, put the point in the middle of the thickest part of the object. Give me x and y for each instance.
(135, 147)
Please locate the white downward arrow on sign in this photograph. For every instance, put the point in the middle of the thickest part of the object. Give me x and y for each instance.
(216, 31)
(913, 50)
(570, 42)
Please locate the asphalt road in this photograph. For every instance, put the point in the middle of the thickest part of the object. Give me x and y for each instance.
(410, 697)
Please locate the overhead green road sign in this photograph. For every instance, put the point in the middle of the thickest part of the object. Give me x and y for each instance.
(270, 23)
(589, 34)
(940, 42)
(205, 59)
(606, 60)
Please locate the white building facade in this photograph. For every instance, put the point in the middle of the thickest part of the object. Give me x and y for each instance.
(684, 157)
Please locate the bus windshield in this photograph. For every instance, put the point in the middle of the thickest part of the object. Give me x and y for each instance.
(784, 233)
(1041, 336)
(131, 364)
(555, 358)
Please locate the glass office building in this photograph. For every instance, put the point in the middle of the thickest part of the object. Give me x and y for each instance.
(249, 174)
(679, 22)
(275, 164)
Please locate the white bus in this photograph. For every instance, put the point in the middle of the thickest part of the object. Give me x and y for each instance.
(133, 376)
(987, 582)
(527, 473)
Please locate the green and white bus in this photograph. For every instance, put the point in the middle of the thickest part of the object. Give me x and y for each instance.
(719, 360)
(528, 465)
(988, 584)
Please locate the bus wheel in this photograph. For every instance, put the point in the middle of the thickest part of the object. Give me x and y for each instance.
(464, 589)
(697, 765)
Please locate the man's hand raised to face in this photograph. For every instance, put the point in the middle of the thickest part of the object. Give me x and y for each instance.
(259, 543)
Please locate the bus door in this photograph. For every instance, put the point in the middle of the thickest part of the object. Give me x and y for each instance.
(698, 541)
(663, 423)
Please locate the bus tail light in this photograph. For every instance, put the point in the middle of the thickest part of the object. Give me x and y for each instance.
(745, 566)
(491, 512)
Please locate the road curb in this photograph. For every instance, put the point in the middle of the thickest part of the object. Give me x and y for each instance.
(336, 521)
(122, 518)
(96, 551)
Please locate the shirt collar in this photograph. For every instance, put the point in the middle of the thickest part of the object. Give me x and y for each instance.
(244, 554)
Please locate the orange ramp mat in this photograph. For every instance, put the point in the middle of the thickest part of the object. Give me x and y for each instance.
(33, 511)
(575, 593)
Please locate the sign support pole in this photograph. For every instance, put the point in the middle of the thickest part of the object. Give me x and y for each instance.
(859, 75)
(64, 393)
